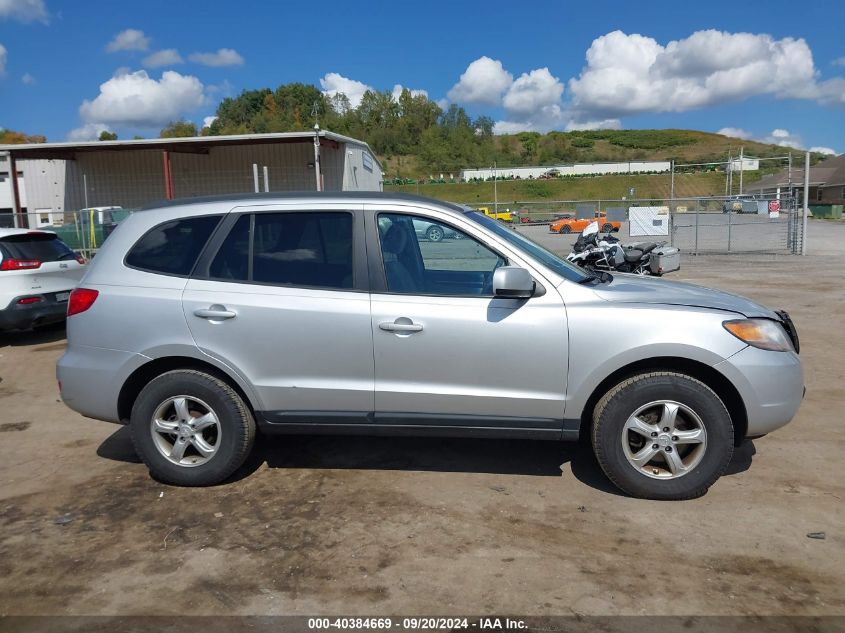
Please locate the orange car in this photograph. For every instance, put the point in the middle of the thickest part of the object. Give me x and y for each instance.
(571, 225)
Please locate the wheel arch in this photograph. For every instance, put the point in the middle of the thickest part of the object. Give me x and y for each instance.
(708, 375)
(136, 381)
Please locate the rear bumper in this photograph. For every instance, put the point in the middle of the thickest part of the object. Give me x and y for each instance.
(90, 379)
(771, 385)
(21, 317)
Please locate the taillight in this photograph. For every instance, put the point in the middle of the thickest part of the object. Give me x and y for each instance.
(80, 300)
(19, 264)
(25, 301)
(80, 259)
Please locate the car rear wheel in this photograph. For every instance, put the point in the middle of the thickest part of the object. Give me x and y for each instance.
(566, 229)
(662, 435)
(434, 234)
(191, 428)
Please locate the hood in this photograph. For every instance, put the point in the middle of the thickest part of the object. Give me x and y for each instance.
(641, 289)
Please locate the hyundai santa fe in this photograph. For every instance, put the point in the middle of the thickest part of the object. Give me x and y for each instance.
(202, 321)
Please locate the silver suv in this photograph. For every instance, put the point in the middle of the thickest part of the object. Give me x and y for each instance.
(201, 321)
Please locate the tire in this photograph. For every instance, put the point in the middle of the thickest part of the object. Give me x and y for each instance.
(618, 445)
(566, 230)
(434, 234)
(230, 437)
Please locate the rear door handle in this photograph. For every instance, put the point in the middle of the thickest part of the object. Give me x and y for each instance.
(400, 326)
(215, 313)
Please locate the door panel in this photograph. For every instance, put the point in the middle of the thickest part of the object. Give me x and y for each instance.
(473, 355)
(304, 350)
(282, 298)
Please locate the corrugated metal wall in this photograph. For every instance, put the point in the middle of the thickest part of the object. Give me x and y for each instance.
(132, 179)
(362, 172)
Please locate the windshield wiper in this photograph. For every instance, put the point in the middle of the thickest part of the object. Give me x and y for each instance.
(66, 255)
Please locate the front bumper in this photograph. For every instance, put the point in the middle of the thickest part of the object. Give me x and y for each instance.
(21, 317)
(771, 385)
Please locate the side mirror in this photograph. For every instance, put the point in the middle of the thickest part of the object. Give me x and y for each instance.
(513, 282)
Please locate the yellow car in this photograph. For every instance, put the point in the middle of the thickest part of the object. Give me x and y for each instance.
(505, 216)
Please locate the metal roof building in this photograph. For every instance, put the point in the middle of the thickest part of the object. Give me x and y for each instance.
(58, 178)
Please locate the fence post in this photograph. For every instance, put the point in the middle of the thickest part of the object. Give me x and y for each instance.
(730, 213)
(697, 205)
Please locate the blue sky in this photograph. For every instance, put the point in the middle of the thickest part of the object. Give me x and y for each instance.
(760, 68)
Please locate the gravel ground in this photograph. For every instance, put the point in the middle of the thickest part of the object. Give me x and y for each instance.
(432, 526)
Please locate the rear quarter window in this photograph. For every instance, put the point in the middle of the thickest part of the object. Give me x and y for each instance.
(172, 248)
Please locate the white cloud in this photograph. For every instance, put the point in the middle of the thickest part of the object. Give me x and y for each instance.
(629, 74)
(603, 124)
(28, 79)
(137, 99)
(484, 81)
(398, 88)
(784, 138)
(443, 104)
(3, 57)
(223, 57)
(735, 132)
(533, 91)
(166, 57)
(778, 136)
(839, 61)
(334, 83)
(207, 121)
(129, 40)
(87, 132)
(24, 10)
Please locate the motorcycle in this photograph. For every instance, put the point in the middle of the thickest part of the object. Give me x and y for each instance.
(604, 252)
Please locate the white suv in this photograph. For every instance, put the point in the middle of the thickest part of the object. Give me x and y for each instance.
(37, 273)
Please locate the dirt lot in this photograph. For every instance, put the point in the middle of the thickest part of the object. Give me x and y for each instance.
(386, 526)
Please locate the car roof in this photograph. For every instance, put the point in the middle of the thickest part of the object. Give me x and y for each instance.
(327, 196)
(8, 232)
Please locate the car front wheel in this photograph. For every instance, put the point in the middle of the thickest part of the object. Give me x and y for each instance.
(662, 435)
(191, 428)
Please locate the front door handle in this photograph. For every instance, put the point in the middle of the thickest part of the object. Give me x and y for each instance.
(215, 313)
(400, 325)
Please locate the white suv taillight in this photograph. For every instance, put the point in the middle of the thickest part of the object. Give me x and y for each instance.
(19, 264)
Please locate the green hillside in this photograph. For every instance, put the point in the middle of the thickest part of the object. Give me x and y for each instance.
(588, 188)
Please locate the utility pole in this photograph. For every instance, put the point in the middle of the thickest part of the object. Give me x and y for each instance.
(495, 189)
(728, 188)
(741, 167)
(317, 156)
(806, 202)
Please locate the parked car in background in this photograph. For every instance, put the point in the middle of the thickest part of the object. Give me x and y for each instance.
(37, 273)
(504, 216)
(90, 227)
(576, 225)
(433, 231)
(328, 313)
(740, 204)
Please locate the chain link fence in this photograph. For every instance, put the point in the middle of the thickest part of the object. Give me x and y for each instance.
(694, 225)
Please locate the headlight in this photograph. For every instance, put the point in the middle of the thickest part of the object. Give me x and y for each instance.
(762, 333)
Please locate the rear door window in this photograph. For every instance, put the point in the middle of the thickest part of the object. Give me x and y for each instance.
(43, 247)
(311, 249)
(172, 248)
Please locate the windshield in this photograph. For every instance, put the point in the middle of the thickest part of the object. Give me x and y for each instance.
(531, 248)
(45, 247)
